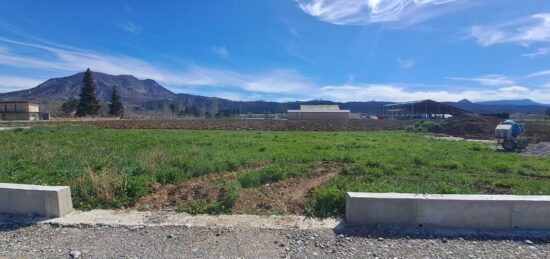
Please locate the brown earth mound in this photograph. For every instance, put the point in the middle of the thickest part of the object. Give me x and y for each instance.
(470, 126)
(483, 127)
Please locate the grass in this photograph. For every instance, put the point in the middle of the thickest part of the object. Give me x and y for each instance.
(113, 168)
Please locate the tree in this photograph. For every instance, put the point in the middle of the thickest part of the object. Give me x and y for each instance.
(70, 106)
(195, 111)
(115, 107)
(88, 106)
(547, 112)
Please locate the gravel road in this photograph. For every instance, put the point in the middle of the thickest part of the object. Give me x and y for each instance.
(97, 241)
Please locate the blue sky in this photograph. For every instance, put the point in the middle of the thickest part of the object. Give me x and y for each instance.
(341, 50)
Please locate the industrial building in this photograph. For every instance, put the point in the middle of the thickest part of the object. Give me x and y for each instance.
(425, 109)
(318, 112)
(19, 111)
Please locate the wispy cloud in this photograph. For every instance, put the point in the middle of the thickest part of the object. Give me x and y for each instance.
(221, 51)
(60, 58)
(538, 53)
(493, 79)
(405, 63)
(14, 83)
(128, 9)
(524, 31)
(277, 84)
(361, 12)
(131, 27)
(539, 73)
(402, 93)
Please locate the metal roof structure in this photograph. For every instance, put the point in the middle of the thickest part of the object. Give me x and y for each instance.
(424, 108)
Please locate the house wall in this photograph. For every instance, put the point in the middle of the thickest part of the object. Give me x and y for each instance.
(19, 107)
(19, 116)
(318, 115)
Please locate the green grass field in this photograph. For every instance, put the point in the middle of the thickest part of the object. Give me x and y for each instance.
(113, 168)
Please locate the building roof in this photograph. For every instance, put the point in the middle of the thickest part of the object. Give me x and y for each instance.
(426, 106)
(320, 108)
(6, 102)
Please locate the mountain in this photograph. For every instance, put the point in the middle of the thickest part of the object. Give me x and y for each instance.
(517, 106)
(149, 96)
(523, 102)
(131, 89)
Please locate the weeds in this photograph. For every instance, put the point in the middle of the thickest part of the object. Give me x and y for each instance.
(113, 168)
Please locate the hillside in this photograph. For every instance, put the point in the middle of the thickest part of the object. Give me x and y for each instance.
(150, 96)
(131, 89)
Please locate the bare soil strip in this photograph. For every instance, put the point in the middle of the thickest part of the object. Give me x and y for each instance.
(286, 197)
(229, 124)
(207, 187)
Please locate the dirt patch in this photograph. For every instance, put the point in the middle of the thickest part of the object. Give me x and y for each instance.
(537, 149)
(494, 189)
(286, 197)
(483, 127)
(208, 188)
(232, 124)
(470, 126)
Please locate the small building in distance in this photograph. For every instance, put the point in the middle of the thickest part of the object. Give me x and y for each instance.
(425, 109)
(19, 111)
(318, 112)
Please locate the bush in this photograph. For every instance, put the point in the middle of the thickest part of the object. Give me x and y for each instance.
(328, 202)
(425, 126)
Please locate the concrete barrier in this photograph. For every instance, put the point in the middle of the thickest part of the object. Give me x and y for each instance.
(47, 201)
(503, 212)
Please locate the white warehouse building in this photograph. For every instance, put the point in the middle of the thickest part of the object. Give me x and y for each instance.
(319, 112)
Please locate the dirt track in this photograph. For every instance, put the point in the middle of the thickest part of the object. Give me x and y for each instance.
(231, 124)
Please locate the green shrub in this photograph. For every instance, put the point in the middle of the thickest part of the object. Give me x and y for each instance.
(425, 126)
(328, 202)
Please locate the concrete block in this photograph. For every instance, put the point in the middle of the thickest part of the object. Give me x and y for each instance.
(460, 213)
(381, 209)
(47, 201)
(503, 212)
(531, 215)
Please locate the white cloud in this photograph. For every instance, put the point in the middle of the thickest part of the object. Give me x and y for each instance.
(383, 92)
(361, 12)
(14, 83)
(60, 58)
(221, 51)
(131, 27)
(537, 53)
(524, 31)
(486, 79)
(281, 84)
(405, 63)
(540, 73)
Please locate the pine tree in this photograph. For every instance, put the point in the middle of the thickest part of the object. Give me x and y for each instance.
(88, 106)
(115, 107)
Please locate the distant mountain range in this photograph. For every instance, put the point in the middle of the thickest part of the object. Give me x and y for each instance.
(148, 95)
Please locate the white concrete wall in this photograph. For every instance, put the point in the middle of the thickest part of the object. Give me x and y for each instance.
(504, 212)
(48, 201)
(318, 115)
